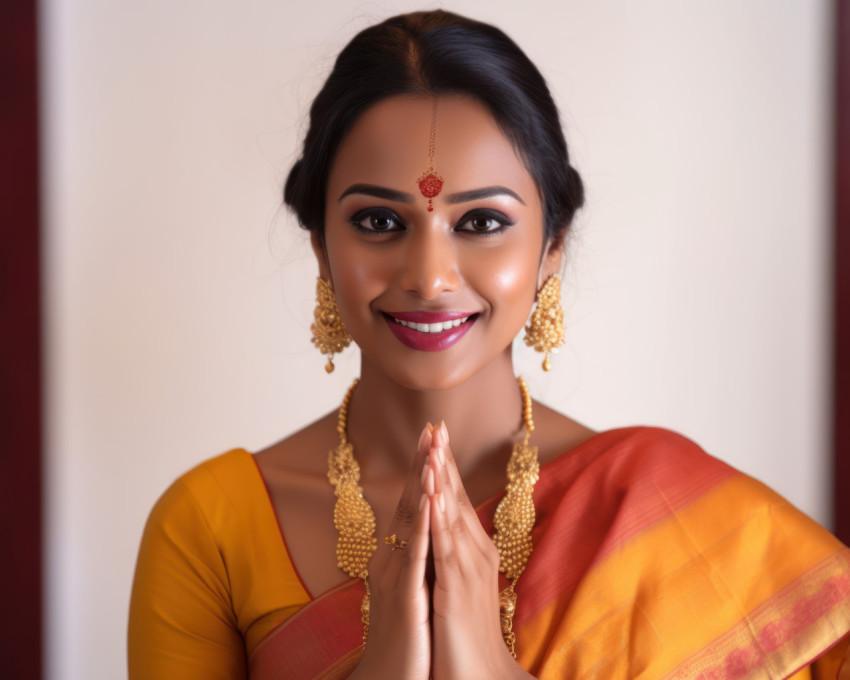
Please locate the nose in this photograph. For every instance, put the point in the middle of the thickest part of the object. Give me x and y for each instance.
(430, 265)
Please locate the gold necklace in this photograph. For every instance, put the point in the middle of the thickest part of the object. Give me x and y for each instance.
(354, 519)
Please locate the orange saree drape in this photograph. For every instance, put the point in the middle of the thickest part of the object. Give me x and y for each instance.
(651, 560)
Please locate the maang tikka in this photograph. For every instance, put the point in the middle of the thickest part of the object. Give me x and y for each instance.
(329, 333)
(430, 182)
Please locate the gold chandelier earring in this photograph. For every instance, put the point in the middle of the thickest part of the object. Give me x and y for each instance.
(329, 333)
(545, 330)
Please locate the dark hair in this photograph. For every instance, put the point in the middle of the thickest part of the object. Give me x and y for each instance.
(437, 53)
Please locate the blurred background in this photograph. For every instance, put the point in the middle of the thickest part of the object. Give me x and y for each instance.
(176, 293)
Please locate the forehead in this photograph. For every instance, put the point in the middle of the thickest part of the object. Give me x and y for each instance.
(389, 143)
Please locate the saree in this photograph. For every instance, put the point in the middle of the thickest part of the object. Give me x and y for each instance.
(651, 560)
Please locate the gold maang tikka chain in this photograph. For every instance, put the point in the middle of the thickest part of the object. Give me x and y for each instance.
(430, 182)
(514, 519)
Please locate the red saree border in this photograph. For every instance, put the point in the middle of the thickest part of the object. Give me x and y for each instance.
(814, 614)
(314, 655)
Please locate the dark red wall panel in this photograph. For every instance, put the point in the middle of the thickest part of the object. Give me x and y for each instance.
(20, 353)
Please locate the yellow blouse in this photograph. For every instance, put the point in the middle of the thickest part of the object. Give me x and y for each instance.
(213, 575)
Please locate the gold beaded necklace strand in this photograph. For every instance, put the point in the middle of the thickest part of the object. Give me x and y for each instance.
(354, 519)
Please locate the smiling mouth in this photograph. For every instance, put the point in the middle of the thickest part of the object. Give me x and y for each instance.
(430, 331)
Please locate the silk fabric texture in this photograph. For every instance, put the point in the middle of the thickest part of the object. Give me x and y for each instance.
(652, 560)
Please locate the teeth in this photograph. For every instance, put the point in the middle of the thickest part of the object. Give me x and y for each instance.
(432, 327)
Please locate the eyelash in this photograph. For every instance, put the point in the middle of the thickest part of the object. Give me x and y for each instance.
(383, 213)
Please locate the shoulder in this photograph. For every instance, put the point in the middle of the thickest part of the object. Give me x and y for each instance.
(649, 455)
(214, 478)
(204, 497)
(649, 466)
(647, 441)
(663, 468)
(218, 475)
(627, 450)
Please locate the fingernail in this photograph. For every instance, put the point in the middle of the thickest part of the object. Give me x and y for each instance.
(438, 434)
(440, 455)
(445, 432)
(422, 502)
(424, 470)
(429, 482)
(441, 503)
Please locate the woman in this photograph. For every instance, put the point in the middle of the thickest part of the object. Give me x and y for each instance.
(436, 185)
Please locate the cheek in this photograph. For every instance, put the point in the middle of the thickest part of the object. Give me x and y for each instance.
(508, 282)
(359, 275)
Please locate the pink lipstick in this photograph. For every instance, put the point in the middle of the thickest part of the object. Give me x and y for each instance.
(430, 331)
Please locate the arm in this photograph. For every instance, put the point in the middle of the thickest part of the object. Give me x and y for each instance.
(182, 625)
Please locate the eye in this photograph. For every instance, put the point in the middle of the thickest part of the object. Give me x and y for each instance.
(377, 221)
(484, 222)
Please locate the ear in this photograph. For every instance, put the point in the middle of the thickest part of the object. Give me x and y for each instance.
(553, 260)
(318, 244)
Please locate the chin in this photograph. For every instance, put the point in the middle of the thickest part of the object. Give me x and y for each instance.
(432, 380)
(428, 372)
(437, 371)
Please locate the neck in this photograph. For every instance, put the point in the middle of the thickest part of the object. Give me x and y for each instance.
(483, 416)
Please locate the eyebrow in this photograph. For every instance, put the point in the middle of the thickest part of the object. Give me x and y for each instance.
(486, 192)
(377, 192)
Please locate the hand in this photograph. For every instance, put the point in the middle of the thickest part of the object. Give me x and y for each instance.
(399, 641)
(467, 632)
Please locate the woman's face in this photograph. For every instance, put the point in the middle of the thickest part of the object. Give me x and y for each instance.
(472, 265)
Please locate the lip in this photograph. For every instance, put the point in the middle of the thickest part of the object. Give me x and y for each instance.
(429, 342)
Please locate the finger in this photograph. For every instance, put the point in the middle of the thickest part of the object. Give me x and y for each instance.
(415, 556)
(411, 485)
(442, 542)
(448, 531)
(406, 510)
(449, 474)
(402, 550)
(464, 540)
(406, 513)
(459, 508)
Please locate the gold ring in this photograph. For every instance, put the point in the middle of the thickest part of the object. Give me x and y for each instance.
(395, 542)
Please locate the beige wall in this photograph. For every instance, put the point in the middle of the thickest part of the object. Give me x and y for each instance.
(178, 293)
